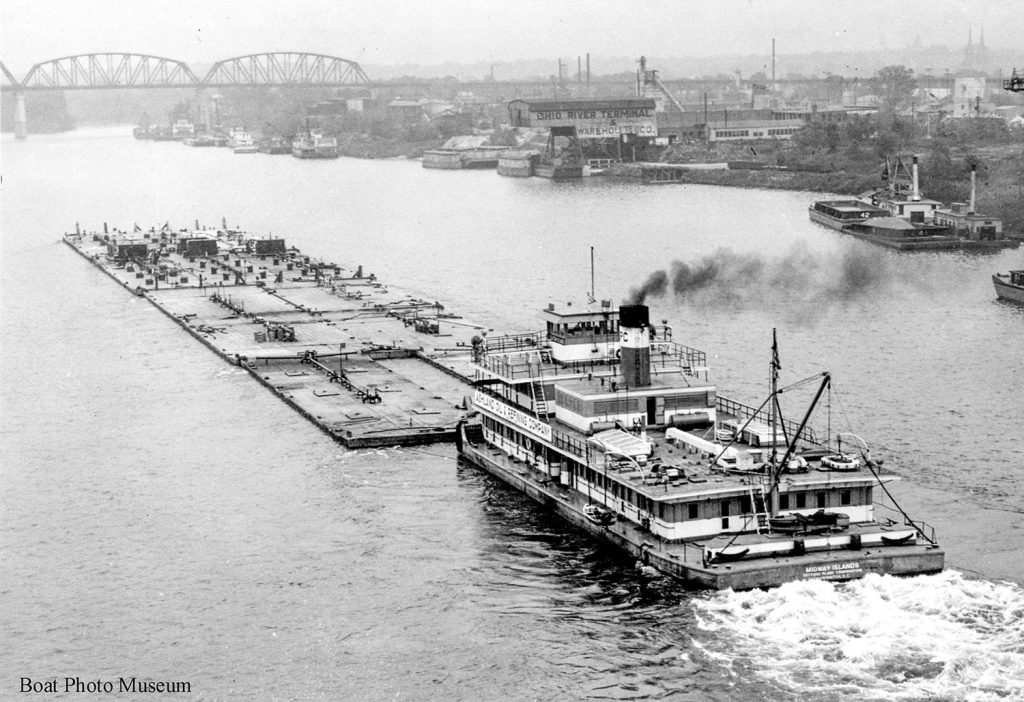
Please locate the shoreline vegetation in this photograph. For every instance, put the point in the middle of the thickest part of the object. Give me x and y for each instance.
(847, 158)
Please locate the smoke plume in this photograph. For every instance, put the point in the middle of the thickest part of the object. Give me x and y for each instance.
(798, 278)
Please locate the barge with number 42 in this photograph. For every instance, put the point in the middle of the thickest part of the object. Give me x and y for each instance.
(608, 422)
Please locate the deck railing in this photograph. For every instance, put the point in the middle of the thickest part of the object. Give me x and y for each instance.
(513, 342)
(744, 412)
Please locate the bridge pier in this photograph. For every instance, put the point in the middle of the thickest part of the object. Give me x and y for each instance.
(204, 110)
(20, 117)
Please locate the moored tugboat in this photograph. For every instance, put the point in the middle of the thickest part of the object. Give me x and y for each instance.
(607, 421)
(275, 145)
(313, 144)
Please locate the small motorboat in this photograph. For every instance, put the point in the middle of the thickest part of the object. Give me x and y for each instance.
(820, 522)
(598, 515)
(897, 541)
(724, 556)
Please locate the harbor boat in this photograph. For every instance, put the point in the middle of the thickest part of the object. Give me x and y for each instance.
(1010, 286)
(240, 141)
(602, 408)
(161, 133)
(275, 145)
(182, 129)
(201, 140)
(313, 144)
(244, 145)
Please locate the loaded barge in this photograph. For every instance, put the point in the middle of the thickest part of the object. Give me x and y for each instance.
(608, 422)
(306, 329)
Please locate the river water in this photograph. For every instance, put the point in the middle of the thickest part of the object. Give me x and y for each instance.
(164, 517)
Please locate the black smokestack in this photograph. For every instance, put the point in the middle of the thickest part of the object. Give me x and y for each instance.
(635, 345)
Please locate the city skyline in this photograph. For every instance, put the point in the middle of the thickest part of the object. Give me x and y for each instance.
(460, 31)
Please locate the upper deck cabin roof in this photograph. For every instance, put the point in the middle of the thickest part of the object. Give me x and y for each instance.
(674, 472)
(578, 314)
(666, 378)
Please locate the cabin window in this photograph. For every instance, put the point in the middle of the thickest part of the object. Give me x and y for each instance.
(692, 510)
(745, 505)
(801, 500)
(615, 406)
(844, 497)
(821, 500)
(783, 501)
(691, 401)
(867, 496)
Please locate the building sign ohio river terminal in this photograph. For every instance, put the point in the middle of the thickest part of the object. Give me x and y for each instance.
(593, 119)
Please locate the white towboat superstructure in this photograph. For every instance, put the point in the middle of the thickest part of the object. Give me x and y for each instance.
(605, 419)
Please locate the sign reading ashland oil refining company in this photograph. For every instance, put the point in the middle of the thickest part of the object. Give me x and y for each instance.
(520, 419)
(592, 119)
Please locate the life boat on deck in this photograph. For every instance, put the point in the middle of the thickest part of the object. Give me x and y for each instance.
(820, 522)
(840, 462)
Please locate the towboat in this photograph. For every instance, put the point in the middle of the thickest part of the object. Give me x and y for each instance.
(899, 217)
(313, 144)
(182, 129)
(608, 422)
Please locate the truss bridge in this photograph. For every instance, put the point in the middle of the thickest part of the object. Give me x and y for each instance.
(109, 71)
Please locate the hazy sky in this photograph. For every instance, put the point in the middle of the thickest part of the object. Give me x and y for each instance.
(433, 31)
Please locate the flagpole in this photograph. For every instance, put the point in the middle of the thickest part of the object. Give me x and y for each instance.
(773, 495)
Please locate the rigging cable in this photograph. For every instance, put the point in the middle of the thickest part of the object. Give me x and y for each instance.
(871, 466)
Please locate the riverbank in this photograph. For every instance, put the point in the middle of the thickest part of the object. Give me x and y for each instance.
(851, 171)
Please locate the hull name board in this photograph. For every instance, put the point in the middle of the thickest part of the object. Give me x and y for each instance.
(511, 414)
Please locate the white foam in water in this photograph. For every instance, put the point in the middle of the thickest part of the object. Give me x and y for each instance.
(933, 637)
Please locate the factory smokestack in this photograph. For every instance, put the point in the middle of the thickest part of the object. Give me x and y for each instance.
(970, 207)
(635, 346)
(917, 194)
